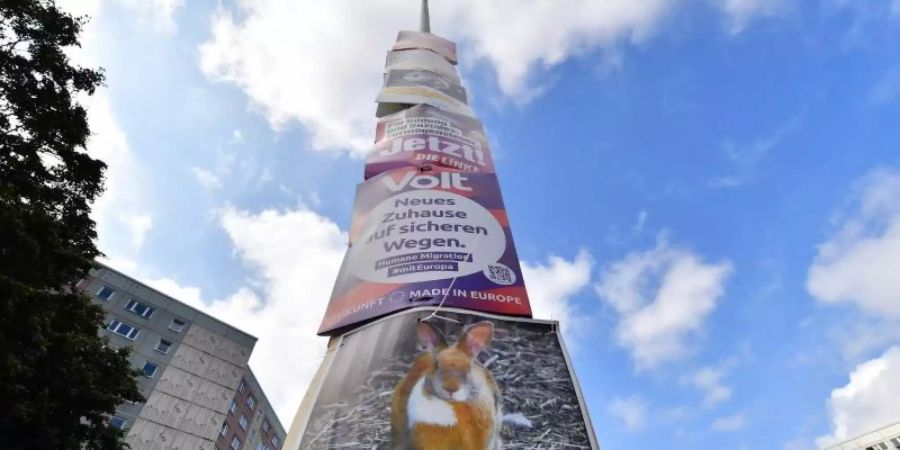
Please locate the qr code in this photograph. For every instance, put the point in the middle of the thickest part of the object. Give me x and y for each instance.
(500, 274)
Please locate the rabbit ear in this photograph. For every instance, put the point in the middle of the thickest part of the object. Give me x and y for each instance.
(429, 337)
(476, 338)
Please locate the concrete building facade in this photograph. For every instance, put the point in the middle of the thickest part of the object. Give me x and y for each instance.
(193, 365)
(887, 438)
(250, 421)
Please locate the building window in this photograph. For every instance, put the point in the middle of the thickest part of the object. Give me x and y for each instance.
(163, 346)
(139, 308)
(149, 369)
(275, 441)
(118, 422)
(251, 402)
(240, 387)
(224, 430)
(261, 445)
(232, 406)
(177, 325)
(106, 293)
(265, 426)
(235, 443)
(243, 422)
(123, 329)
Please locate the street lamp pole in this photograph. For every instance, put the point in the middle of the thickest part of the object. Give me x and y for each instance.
(425, 20)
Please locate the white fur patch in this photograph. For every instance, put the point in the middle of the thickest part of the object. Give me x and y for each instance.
(428, 410)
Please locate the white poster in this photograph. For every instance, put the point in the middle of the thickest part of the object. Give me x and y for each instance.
(404, 88)
(417, 59)
(416, 39)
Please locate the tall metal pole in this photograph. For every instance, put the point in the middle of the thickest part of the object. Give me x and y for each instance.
(425, 20)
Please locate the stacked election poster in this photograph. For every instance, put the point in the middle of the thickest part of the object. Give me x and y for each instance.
(425, 136)
(420, 60)
(427, 238)
(405, 88)
(463, 381)
(432, 345)
(412, 40)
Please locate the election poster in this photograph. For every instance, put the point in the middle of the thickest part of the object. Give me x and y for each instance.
(427, 238)
(424, 136)
(417, 59)
(403, 88)
(407, 40)
(445, 378)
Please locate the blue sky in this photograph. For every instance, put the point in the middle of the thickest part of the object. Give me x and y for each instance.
(707, 194)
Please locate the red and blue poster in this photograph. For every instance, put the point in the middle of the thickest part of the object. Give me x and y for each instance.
(427, 238)
(427, 136)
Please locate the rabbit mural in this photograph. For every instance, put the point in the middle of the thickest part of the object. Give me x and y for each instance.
(447, 400)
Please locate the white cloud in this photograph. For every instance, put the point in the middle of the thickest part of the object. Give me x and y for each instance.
(745, 157)
(709, 380)
(895, 8)
(861, 339)
(662, 296)
(552, 285)
(797, 444)
(857, 264)
(123, 220)
(733, 422)
(187, 294)
(537, 34)
(741, 12)
(158, 14)
(640, 222)
(295, 256)
(206, 178)
(887, 89)
(317, 63)
(138, 226)
(868, 401)
(632, 411)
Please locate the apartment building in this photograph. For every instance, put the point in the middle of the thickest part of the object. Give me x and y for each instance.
(194, 371)
(250, 422)
(886, 438)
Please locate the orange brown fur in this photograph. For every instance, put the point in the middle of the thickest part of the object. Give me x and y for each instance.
(449, 368)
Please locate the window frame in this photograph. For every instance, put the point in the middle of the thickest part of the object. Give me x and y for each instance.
(233, 445)
(266, 425)
(169, 345)
(275, 440)
(112, 293)
(115, 324)
(243, 422)
(132, 303)
(155, 369)
(115, 418)
(250, 401)
(232, 406)
(224, 430)
(180, 327)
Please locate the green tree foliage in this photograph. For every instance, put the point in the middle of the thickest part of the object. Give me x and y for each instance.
(58, 379)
